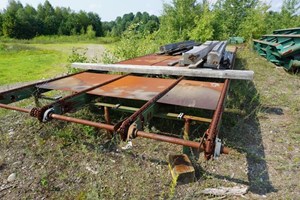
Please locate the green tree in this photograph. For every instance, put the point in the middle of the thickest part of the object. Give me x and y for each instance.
(177, 19)
(62, 15)
(230, 14)
(272, 21)
(204, 22)
(254, 24)
(95, 21)
(90, 33)
(1, 22)
(11, 24)
(28, 25)
(46, 13)
(289, 11)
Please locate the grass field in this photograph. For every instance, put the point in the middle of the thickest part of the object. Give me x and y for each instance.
(22, 63)
(28, 62)
(68, 161)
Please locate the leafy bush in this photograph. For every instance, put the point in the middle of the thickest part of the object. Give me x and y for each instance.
(78, 55)
(90, 33)
(132, 44)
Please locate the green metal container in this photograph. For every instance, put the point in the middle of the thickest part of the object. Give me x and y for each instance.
(236, 40)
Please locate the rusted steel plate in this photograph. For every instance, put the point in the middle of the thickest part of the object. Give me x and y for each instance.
(78, 82)
(146, 60)
(194, 94)
(152, 60)
(134, 87)
(167, 61)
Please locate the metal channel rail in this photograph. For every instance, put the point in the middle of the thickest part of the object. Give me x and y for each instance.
(143, 97)
(281, 48)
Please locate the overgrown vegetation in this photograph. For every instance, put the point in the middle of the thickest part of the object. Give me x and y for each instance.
(202, 21)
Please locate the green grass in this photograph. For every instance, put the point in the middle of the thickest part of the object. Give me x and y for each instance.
(57, 39)
(21, 63)
(42, 57)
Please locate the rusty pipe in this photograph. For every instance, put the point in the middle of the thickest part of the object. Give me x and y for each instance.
(109, 127)
(107, 118)
(168, 139)
(14, 108)
(213, 128)
(82, 121)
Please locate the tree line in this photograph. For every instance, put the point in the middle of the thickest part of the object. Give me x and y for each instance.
(145, 24)
(180, 20)
(26, 22)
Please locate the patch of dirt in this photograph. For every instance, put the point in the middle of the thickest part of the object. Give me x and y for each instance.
(94, 51)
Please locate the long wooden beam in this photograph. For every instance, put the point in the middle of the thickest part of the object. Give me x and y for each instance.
(166, 70)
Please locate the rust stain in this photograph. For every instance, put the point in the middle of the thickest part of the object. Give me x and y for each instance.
(134, 87)
(194, 94)
(78, 82)
(152, 59)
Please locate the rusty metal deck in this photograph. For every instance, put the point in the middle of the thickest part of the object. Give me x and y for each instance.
(86, 86)
(78, 82)
(152, 60)
(187, 93)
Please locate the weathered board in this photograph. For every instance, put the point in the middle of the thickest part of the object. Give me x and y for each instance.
(166, 70)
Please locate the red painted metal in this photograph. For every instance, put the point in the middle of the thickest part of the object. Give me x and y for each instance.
(168, 139)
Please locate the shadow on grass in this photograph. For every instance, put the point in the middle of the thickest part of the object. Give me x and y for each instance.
(243, 133)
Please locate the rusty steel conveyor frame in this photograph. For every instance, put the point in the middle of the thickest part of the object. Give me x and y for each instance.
(132, 126)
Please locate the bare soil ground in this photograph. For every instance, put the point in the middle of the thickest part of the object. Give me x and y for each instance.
(67, 161)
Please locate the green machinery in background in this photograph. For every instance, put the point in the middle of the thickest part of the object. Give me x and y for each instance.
(236, 40)
(281, 48)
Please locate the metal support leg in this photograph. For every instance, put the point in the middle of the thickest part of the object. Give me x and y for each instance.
(107, 119)
(186, 133)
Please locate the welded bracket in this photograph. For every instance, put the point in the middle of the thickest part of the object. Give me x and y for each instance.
(143, 118)
(71, 102)
(145, 111)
